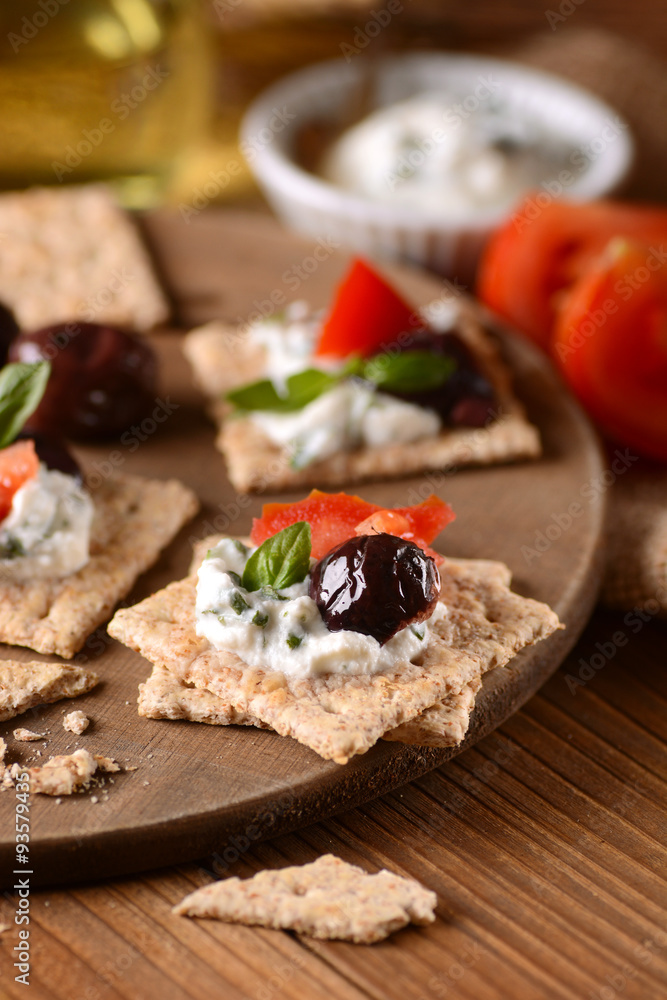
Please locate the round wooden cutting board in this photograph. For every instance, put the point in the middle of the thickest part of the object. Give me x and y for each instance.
(199, 790)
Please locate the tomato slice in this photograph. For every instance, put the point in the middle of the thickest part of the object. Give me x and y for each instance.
(531, 261)
(18, 463)
(366, 315)
(611, 345)
(334, 517)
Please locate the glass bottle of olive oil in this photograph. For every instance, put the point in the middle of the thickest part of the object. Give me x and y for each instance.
(101, 90)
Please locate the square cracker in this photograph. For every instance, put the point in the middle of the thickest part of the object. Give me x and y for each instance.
(134, 520)
(23, 685)
(340, 716)
(163, 696)
(327, 898)
(72, 254)
(222, 359)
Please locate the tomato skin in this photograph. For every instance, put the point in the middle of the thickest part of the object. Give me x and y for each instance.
(610, 343)
(333, 518)
(366, 315)
(531, 261)
(18, 463)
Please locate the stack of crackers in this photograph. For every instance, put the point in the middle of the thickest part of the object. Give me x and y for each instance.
(337, 716)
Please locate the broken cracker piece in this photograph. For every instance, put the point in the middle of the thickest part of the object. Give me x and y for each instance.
(328, 898)
(27, 736)
(107, 764)
(71, 254)
(76, 722)
(337, 715)
(23, 685)
(63, 774)
(134, 520)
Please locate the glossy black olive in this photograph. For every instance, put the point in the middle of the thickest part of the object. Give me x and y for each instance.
(9, 329)
(374, 584)
(103, 379)
(467, 398)
(53, 452)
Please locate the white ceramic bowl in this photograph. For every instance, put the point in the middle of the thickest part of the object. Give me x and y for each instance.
(446, 244)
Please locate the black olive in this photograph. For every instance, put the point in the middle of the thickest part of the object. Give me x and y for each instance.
(103, 379)
(9, 329)
(467, 398)
(53, 452)
(374, 584)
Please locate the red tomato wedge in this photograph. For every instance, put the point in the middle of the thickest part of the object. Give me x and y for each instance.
(18, 463)
(333, 518)
(611, 345)
(366, 315)
(533, 259)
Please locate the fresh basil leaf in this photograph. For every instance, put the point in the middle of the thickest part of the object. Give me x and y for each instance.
(300, 389)
(410, 371)
(21, 388)
(281, 560)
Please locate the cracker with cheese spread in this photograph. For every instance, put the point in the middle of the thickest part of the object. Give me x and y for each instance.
(224, 358)
(484, 625)
(134, 519)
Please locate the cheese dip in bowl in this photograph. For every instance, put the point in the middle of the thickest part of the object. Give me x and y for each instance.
(451, 145)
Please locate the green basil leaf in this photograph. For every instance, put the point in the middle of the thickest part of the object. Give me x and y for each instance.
(300, 389)
(410, 371)
(21, 388)
(281, 560)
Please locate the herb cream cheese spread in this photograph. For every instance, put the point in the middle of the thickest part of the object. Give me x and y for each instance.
(283, 630)
(47, 531)
(350, 415)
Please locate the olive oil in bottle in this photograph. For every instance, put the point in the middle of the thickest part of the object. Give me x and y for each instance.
(101, 90)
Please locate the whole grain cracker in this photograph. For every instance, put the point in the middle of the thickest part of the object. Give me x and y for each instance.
(340, 716)
(442, 725)
(327, 898)
(163, 696)
(71, 254)
(134, 519)
(222, 359)
(23, 685)
(76, 722)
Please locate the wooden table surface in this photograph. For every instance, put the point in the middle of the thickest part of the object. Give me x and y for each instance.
(545, 844)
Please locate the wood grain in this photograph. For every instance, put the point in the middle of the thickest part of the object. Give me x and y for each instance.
(196, 785)
(545, 843)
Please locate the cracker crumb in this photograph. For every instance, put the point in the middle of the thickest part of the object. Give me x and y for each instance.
(27, 736)
(76, 722)
(328, 898)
